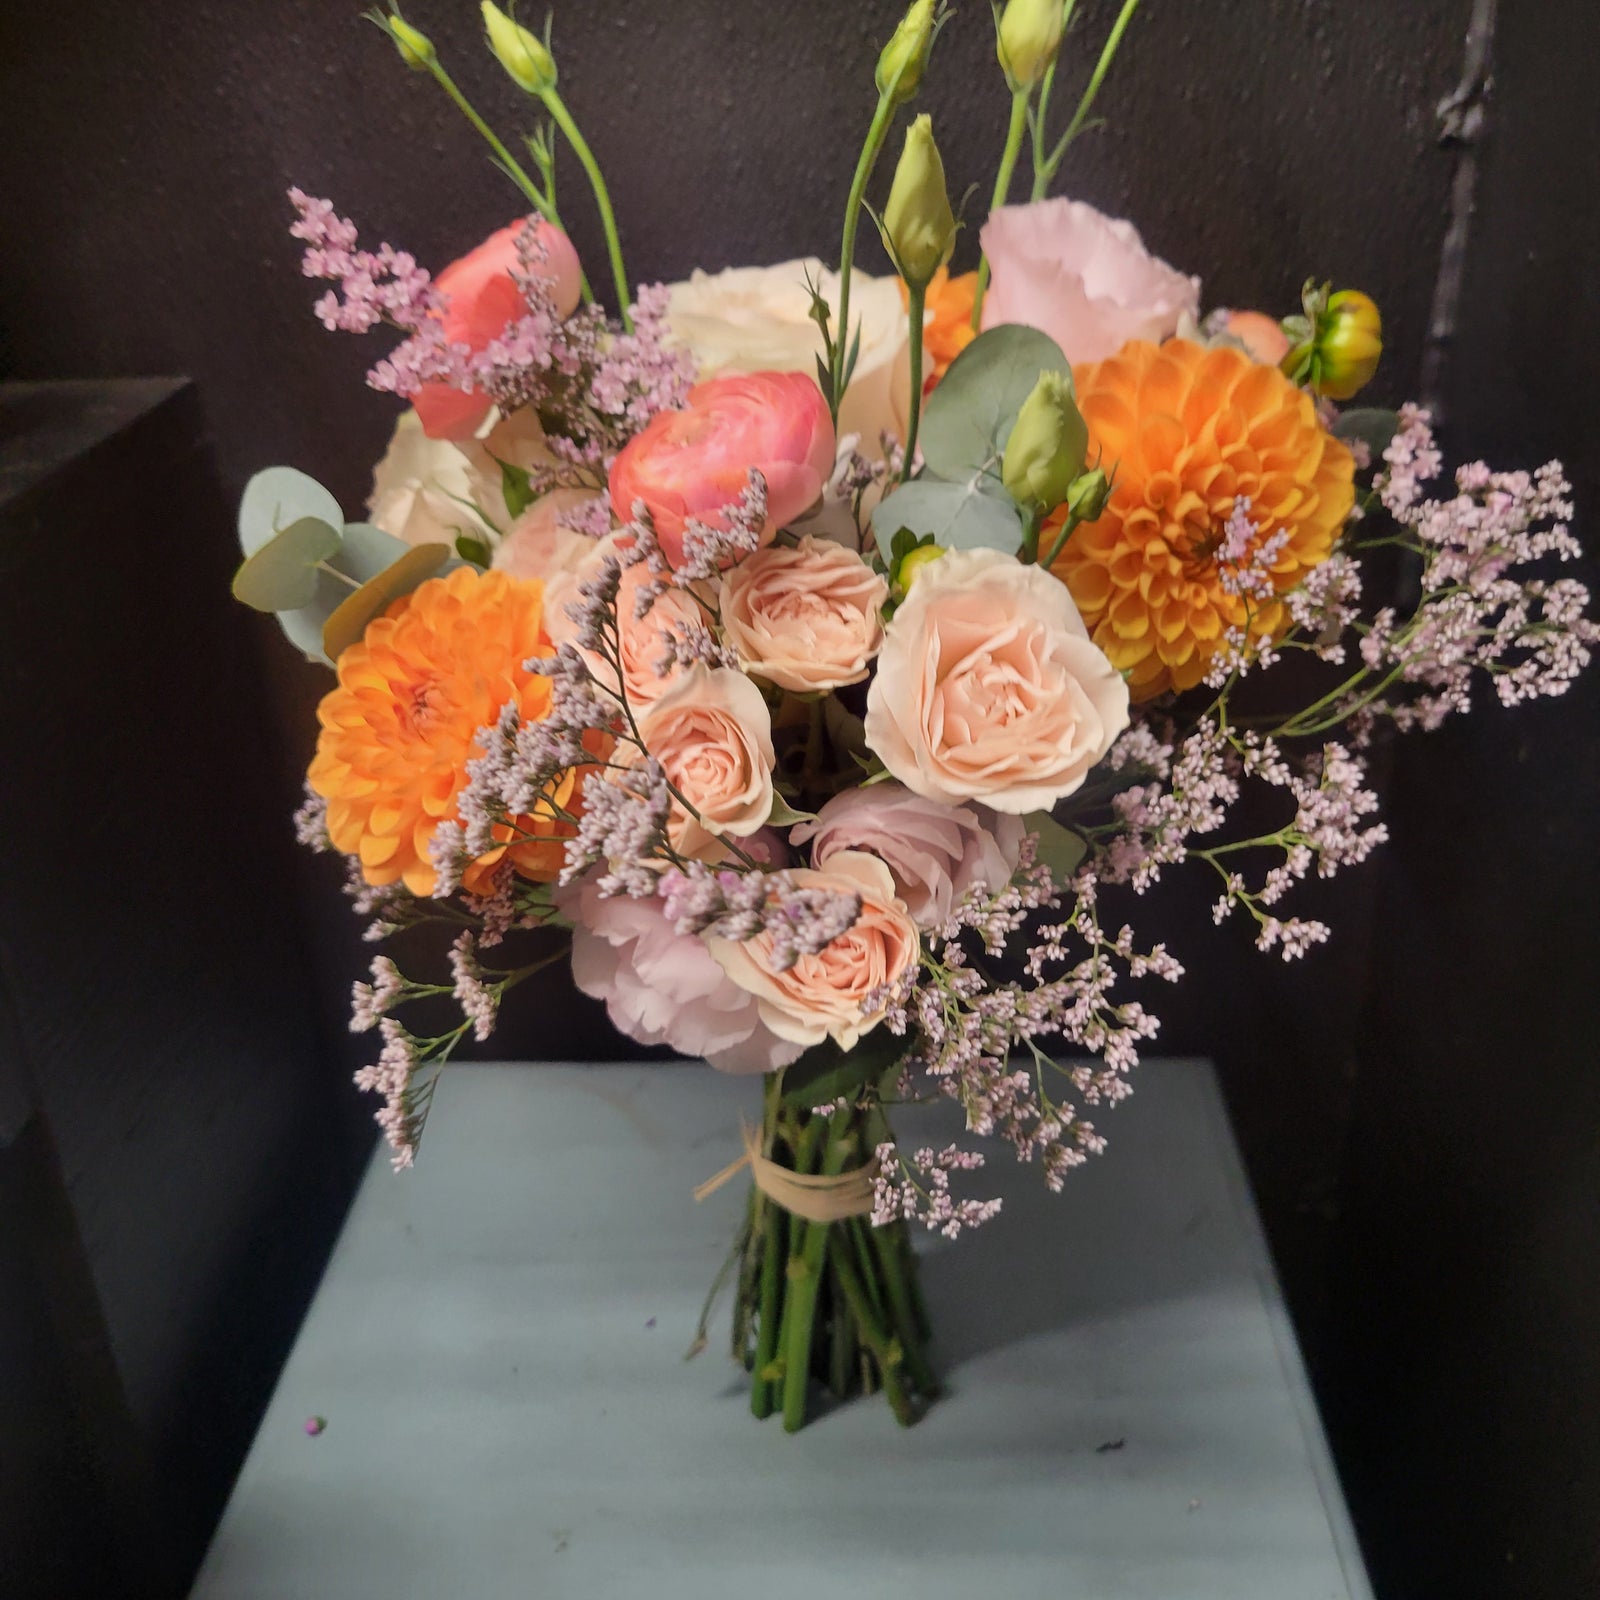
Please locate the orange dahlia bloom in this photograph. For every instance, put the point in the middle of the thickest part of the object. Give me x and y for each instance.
(1189, 430)
(947, 321)
(400, 728)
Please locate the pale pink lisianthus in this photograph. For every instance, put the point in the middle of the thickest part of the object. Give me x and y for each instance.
(937, 853)
(661, 987)
(640, 645)
(1082, 277)
(989, 687)
(806, 618)
(481, 299)
(712, 733)
(839, 993)
(696, 462)
(538, 545)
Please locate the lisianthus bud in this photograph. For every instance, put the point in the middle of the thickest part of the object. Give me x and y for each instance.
(521, 53)
(901, 64)
(1087, 497)
(1045, 451)
(1029, 35)
(415, 47)
(918, 221)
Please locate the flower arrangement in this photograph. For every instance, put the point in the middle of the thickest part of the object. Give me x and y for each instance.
(826, 665)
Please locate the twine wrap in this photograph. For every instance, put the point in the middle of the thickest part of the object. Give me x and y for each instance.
(807, 1195)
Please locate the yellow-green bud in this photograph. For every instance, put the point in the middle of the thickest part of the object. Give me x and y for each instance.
(912, 563)
(1087, 497)
(901, 64)
(920, 225)
(1029, 37)
(1045, 451)
(521, 53)
(415, 47)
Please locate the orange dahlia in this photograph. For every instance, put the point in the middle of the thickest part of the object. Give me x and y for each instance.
(400, 728)
(947, 320)
(1189, 431)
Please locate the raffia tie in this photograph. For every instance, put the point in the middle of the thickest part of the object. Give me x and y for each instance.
(812, 1196)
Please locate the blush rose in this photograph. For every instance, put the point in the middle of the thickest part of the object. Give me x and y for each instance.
(989, 687)
(806, 618)
(838, 993)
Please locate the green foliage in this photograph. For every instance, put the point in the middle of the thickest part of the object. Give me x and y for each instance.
(971, 514)
(825, 1072)
(352, 616)
(516, 487)
(282, 575)
(278, 496)
(1374, 428)
(1060, 848)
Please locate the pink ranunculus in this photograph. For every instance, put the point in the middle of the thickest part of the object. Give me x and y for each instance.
(937, 853)
(989, 687)
(1084, 278)
(841, 992)
(696, 462)
(481, 298)
(806, 618)
(639, 639)
(664, 987)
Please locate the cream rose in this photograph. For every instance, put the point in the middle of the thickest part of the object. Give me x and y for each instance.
(806, 618)
(713, 737)
(1084, 278)
(825, 996)
(989, 688)
(758, 319)
(419, 486)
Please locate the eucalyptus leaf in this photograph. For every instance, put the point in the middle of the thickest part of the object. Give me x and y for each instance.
(1374, 428)
(281, 575)
(825, 1071)
(278, 496)
(1060, 848)
(975, 513)
(367, 551)
(969, 416)
(351, 619)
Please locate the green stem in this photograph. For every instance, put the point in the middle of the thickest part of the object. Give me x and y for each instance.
(918, 295)
(886, 1351)
(903, 1307)
(563, 119)
(870, 151)
(1081, 115)
(1068, 524)
(807, 1254)
(769, 1236)
(1002, 185)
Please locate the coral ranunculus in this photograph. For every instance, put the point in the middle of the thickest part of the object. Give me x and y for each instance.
(400, 728)
(1190, 431)
(696, 462)
(481, 298)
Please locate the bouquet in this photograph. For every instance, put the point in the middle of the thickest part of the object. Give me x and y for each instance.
(825, 666)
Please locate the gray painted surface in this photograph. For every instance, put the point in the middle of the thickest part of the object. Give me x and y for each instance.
(497, 1349)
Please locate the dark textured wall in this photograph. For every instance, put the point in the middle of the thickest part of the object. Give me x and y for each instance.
(1417, 1102)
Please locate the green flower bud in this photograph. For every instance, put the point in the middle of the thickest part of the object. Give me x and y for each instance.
(1340, 343)
(901, 65)
(523, 54)
(912, 563)
(415, 47)
(1029, 37)
(1087, 497)
(918, 222)
(1045, 451)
